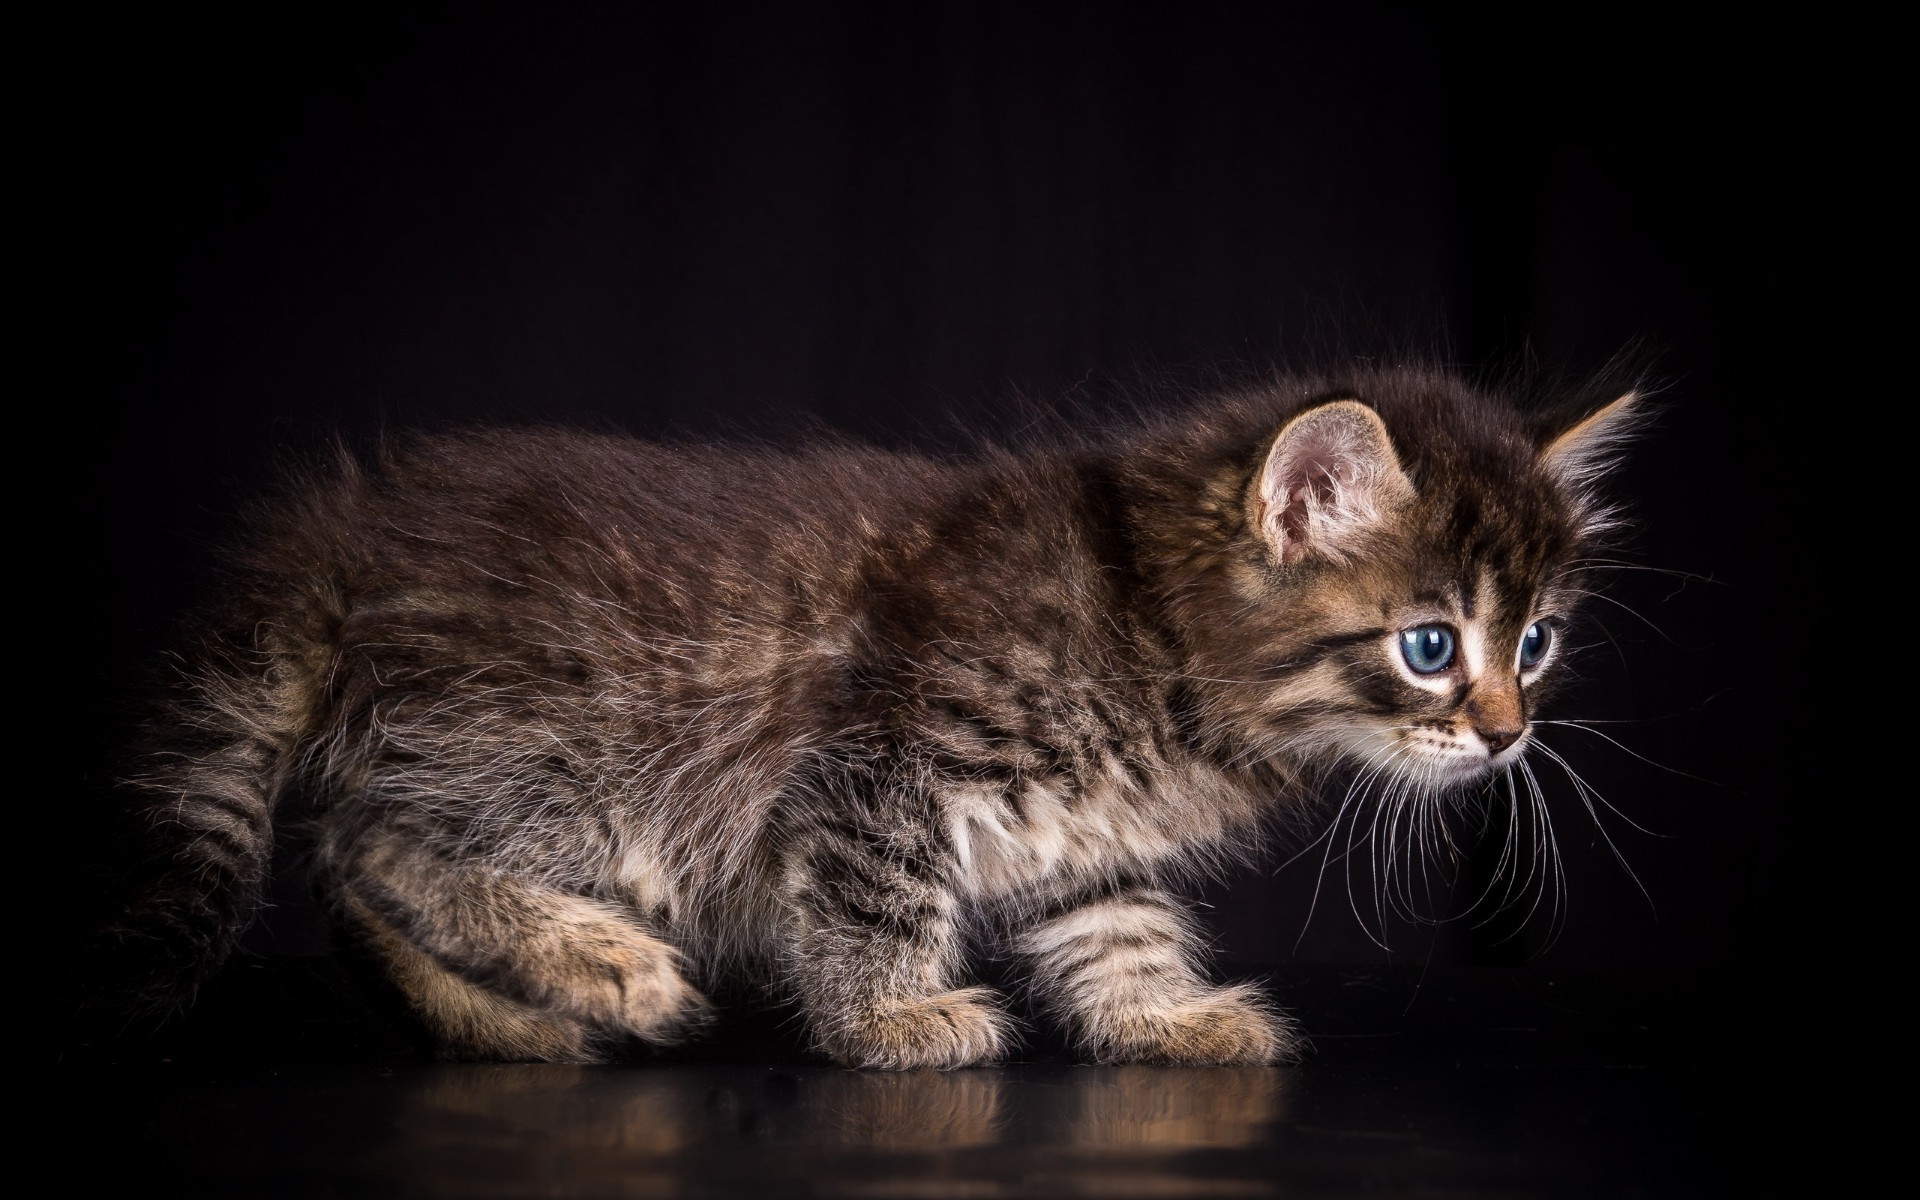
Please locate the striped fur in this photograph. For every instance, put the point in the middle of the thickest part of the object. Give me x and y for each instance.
(585, 723)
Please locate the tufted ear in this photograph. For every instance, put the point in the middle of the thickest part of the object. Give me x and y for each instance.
(1580, 455)
(1330, 477)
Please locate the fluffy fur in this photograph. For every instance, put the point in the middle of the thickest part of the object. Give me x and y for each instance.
(585, 721)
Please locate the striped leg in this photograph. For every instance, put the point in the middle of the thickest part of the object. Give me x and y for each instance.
(503, 968)
(873, 953)
(1119, 972)
(467, 1020)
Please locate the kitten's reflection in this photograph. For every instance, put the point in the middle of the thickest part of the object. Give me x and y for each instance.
(488, 1128)
(540, 1103)
(918, 1110)
(1172, 1108)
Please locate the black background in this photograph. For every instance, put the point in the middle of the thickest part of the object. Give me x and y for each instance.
(276, 227)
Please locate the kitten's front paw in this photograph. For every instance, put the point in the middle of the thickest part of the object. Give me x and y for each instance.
(630, 984)
(953, 1029)
(1216, 1027)
(663, 1008)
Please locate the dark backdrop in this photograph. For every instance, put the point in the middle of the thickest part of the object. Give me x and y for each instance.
(274, 227)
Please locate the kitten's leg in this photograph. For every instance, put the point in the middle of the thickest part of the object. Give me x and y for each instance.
(501, 967)
(1119, 972)
(466, 1019)
(873, 951)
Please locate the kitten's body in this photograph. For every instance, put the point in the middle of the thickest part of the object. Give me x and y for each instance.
(585, 720)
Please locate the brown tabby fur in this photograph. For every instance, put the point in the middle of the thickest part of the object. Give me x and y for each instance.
(585, 720)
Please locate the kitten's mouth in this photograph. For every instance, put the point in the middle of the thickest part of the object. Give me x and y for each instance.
(1466, 768)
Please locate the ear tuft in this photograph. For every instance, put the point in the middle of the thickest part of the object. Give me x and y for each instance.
(1331, 476)
(1580, 455)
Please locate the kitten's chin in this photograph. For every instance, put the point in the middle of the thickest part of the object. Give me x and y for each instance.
(1476, 770)
(1461, 771)
(1456, 770)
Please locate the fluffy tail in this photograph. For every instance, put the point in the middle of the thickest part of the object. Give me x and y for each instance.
(205, 798)
(227, 743)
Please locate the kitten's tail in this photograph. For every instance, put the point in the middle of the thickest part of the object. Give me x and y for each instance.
(237, 730)
(204, 802)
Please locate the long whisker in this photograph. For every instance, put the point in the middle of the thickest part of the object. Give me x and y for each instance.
(1587, 789)
(1587, 797)
(1629, 610)
(1506, 866)
(1547, 855)
(1583, 726)
(1371, 768)
(1546, 861)
(1671, 716)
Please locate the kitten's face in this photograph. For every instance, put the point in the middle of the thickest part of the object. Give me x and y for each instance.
(1407, 667)
(1447, 680)
(1398, 597)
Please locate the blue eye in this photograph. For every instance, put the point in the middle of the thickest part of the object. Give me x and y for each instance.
(1427, 649)
(1534, 643)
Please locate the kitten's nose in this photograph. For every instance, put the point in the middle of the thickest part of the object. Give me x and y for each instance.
(1499, 739)
(1498, 715)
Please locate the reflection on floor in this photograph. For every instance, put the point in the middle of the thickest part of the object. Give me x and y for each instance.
(497, 1130)
(1476, 1083)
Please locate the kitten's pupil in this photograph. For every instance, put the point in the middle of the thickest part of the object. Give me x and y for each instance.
(1427, 649)
(1534, 643)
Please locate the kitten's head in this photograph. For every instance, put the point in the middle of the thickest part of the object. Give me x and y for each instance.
(1401, 562)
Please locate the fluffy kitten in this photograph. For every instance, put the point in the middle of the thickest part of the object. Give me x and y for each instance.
(585, 721)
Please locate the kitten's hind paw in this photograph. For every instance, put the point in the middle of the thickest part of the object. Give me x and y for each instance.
(953, 1029)
(1217, 1027)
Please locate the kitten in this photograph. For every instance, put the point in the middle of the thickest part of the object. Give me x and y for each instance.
(584, 722)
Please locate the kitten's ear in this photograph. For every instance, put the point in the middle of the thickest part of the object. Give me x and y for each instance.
(1330, 477)
(1583, 453)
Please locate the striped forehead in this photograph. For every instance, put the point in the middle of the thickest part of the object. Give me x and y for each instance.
(1489, 586)
(1488, 611)
(1494, 556)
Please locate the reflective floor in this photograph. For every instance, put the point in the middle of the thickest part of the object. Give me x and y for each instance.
(1495, 1083)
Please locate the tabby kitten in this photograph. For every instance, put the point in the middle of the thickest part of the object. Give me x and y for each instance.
(585, 723)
